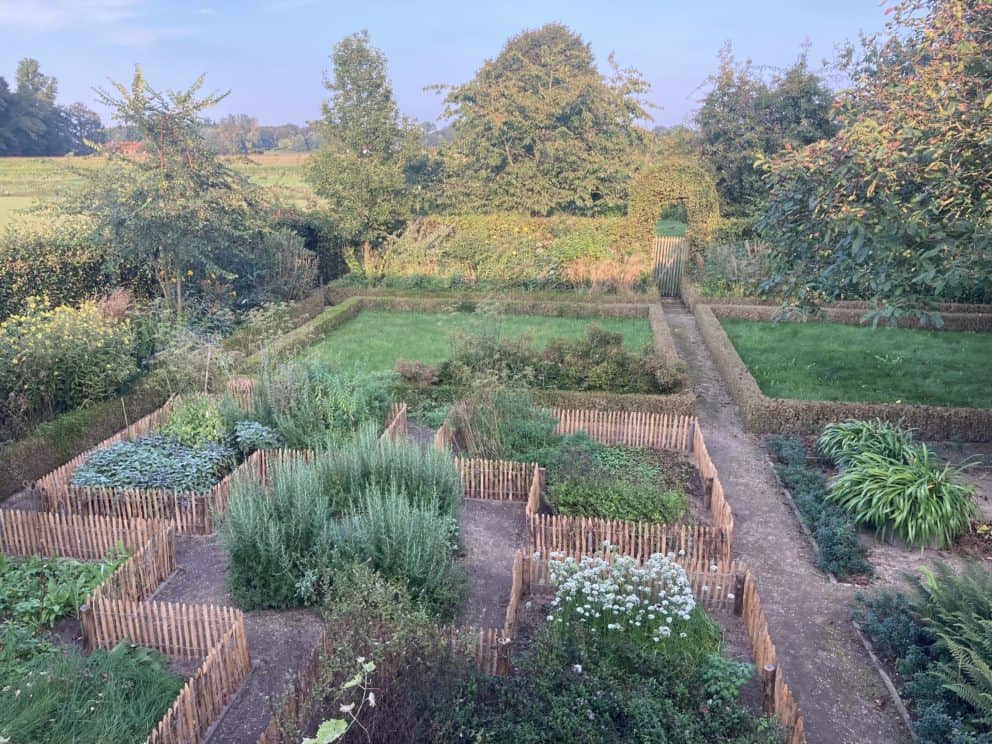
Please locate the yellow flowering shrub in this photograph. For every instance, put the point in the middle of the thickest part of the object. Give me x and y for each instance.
(55, 359)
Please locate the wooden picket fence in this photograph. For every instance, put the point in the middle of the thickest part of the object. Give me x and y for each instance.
(586, 535)
(444, 438)
(670, 256)
(118, 609)
(629, 428)
(498, 480)
(396, 425)
(242, 389)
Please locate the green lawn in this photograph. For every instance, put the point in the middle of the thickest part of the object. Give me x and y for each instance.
(377, 339)
(667, 227)
(830, 361)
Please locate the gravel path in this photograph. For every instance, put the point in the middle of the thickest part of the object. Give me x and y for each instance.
(841, 696)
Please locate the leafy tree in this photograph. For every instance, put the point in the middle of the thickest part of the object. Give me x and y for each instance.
(176, 207)
(897, 207)
(744, 117)
(540, 130)
(361, 167)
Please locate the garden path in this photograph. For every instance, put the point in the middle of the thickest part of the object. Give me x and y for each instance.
(838, 690)
(491, 533)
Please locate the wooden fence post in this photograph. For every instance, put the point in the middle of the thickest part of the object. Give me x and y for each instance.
(768, 688)
(739, 594)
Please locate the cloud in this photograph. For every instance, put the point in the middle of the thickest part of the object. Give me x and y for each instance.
(118, 22)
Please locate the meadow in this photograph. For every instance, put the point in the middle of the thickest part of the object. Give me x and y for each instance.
(830, 361)
(377, 339)
(25, 182)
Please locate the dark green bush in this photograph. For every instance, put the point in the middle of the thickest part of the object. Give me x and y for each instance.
(838, 549)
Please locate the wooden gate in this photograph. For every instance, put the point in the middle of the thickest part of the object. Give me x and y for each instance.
(670, 255)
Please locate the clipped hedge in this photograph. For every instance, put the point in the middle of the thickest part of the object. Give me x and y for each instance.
(56, 442)
(680, 404)
(766, 415)
(691, 296)
(338, 292)
(289, 343)
(980, 322)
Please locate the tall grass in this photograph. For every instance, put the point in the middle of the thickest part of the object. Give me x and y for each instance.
(314, 405)
(843, 440)
(67, 698)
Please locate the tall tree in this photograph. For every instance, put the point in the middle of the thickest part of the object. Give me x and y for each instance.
(897, 207)
(539, 129)
(360, 168)
(744, 117)
(176, 207)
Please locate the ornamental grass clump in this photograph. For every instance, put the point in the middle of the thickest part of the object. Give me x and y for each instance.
(918, 501)
(650, 603)
(842, 441)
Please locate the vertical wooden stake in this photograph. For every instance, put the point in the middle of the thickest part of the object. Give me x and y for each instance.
(768, 688)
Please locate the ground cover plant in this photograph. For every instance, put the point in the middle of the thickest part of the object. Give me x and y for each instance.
(898, 487)
(836, 534)
(832, 361)
(191, 452)
(937, 641)
(388, 504)
(611, 666)
(378, 339)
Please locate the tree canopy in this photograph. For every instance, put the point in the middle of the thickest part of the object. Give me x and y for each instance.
(539, 129)
(361, 167)
(897, 207)
(32, 123)
(744, 117)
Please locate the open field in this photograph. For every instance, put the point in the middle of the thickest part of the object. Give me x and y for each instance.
(830, 361)
(377, 339)
(26, 181)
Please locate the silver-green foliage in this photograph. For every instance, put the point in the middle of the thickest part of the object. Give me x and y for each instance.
(919, 501)
(313, 405)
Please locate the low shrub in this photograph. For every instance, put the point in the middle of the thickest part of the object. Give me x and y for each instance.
(312, 405)
(55, 359)
(597, 362)
(917, 501)
(390, 504)
(842, 441)
(64, 697)
(838, 549)
(156, 462)
(496, 420)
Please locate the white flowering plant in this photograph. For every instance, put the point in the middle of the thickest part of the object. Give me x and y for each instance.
(651, 603)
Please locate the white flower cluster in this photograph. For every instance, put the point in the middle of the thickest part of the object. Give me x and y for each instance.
(653, 600)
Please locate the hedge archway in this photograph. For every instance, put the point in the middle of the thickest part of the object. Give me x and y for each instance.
(677, 180)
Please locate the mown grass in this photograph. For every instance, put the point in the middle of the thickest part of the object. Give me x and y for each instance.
(377, 339)
(668, 227)
(831, 361)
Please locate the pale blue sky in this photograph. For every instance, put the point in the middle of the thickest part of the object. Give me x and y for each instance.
(271, 53)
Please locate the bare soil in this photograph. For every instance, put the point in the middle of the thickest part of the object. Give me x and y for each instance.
(278, 640)
(491, 532)
(809, 617)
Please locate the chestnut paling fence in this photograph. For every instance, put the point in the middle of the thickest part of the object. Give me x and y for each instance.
(119, 608)
(192, 512)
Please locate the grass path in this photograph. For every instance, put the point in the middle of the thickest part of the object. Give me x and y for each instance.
(808, 617)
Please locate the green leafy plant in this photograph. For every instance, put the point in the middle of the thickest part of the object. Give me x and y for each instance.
(195, 421)
(155, 462)
(918, 501)
(248, 436)
(842, 441)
